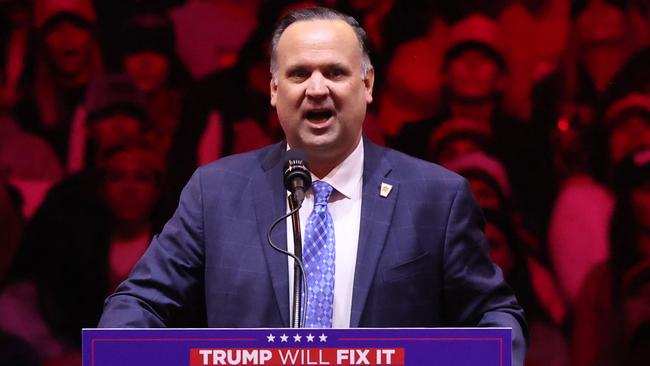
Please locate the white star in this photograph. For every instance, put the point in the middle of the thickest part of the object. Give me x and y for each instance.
(297, 338)
(310, 338)
(284, 338)
(270, 338)
(322, 337)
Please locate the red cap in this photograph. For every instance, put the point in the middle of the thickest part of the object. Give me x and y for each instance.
(44, 10)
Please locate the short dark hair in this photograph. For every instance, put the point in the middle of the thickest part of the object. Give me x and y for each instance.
(319, 13)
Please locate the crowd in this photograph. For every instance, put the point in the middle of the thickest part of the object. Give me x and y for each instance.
(107, 107)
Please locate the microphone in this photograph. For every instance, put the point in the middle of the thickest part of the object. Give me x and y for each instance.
(296, 176)
(297, 180)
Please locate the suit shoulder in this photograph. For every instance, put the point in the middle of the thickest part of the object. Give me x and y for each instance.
(409, 168)
(243, 164)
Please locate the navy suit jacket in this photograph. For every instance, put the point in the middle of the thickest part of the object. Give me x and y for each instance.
(422, 258)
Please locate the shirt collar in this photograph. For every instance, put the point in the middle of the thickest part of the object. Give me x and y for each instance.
(345, 178)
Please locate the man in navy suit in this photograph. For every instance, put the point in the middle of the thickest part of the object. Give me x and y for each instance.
(408, 248)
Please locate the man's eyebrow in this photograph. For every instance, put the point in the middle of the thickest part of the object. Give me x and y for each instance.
(296, 67)
(327, 66)
(337, 65)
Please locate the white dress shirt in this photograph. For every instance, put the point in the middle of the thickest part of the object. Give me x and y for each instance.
(345, 207)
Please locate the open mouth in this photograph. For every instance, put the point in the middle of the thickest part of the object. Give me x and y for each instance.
(319, 115)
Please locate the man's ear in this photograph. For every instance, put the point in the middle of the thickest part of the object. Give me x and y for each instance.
(274, 91)
(369, 82)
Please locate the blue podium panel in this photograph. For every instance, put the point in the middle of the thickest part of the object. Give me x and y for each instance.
(276, 347)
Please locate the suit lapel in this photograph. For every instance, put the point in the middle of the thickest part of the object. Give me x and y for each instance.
(376, 216)
(269, 201)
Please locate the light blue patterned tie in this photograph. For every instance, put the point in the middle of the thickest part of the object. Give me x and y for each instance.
(318, 257)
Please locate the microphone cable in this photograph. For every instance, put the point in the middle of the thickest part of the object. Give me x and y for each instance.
(295, 258)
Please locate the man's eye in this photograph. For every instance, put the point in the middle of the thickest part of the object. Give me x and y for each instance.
(298, 74)
(335, 73)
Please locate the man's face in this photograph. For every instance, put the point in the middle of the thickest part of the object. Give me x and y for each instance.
(600, 22)
(69, 48)
(148, 69)
(130, 187)
(473, 75)
(114, 130)
(320, 95)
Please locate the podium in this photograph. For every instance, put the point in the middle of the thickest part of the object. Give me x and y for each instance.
(290, 346)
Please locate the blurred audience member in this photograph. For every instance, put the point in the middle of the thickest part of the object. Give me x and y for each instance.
(580, 218)
(474, 73)
(534, 289)
(88, 263)
(15, 37)
(600, 336)
(536, 32)
(88, 252)
(131, 186)
(210, 33)
(487, 178)
(475, 69)
(67, 58)
(565, 104)
(411, 89)
(577, 232)
(48, 293)
(114, 15)
(490, 185)
(149, 59)
(114, 113)
(455, 138)
(116, 117)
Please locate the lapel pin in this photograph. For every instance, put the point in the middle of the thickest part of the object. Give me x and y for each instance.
(385, 189)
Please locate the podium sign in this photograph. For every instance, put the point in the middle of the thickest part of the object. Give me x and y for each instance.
(276, 347)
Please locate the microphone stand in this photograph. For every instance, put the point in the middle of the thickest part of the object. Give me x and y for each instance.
(296, 319)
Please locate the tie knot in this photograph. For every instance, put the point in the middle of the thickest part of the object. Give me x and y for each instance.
(322, 192)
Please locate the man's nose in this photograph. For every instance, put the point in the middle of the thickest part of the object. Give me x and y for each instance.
(317, 86)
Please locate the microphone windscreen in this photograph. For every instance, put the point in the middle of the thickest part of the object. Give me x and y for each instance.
(296, 155)
(295, 167)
